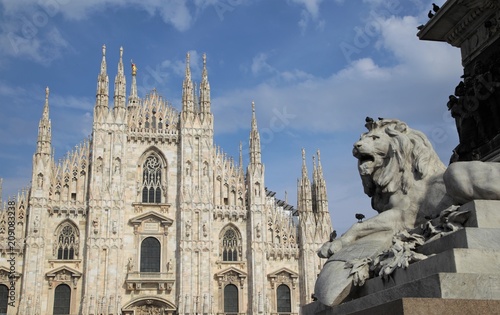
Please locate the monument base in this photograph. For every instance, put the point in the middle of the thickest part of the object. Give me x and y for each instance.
(463, 273)
(427, 306)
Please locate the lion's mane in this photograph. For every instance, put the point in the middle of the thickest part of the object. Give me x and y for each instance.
(409, 158)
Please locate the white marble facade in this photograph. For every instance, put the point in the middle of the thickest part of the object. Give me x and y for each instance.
(148, 216)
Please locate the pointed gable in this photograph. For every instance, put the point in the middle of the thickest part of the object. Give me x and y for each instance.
(151, 222)
(231, 275)
(63, 274)
(283, 275)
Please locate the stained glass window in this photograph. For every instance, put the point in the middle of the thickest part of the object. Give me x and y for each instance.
(67, 242)
(230, 246)
(151, 180)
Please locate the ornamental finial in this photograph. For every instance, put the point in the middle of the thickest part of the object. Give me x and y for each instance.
(134, 67)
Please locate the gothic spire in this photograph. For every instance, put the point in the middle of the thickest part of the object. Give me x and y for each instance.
(44, 129)
(133, 99)
(102, 94)
(304, 192)
(320, 168)
(197, 104)
(314, 187)
(254, 140)
(204, 88)
(320, 187)
(304, 167)
(241, 157)
(120, 84)
(187, 89)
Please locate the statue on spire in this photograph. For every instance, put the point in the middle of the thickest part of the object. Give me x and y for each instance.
(134, 67)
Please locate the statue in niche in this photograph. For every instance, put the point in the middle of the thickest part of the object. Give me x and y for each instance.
(39, 181)
(257, 230)
(407, 184)
(98, 165)
(116, 166)
(188, 227)
(95, 225)
(130, 264)
(36, 224)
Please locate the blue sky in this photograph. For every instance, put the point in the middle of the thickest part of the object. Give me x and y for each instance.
(315, 69)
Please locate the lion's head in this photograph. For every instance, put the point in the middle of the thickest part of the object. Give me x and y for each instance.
(391, 157)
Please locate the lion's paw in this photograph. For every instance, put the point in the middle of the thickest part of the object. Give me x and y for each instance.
(329, 248)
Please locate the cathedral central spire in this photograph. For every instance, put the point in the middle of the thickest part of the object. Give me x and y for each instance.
(133, 99)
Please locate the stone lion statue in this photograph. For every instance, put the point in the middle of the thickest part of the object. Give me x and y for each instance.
(407, 183)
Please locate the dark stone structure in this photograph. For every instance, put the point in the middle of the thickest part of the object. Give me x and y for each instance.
(474, 27)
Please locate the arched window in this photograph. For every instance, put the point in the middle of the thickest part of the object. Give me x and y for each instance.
(151, 180)
(150, 255)
(4, 299)
(230, 245)
(67, 242)
(62, 300)
(283, 299)
(231, 299)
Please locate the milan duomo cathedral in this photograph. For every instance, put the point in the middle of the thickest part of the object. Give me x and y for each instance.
(148, 216)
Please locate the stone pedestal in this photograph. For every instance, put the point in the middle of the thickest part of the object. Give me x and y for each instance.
(418, 306)
(463, 272)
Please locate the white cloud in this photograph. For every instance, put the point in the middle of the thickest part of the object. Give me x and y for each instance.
(260, 65)
(159, 76)
(295, 75)
(81, 103)
(10, 91)
(311, 6)
(309, 13)
(36, 44)
(174, 12)
(27, 30)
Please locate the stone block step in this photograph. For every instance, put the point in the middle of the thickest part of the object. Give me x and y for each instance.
(486, 238)
(426, 306)
(458, 260)
(437, 286)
